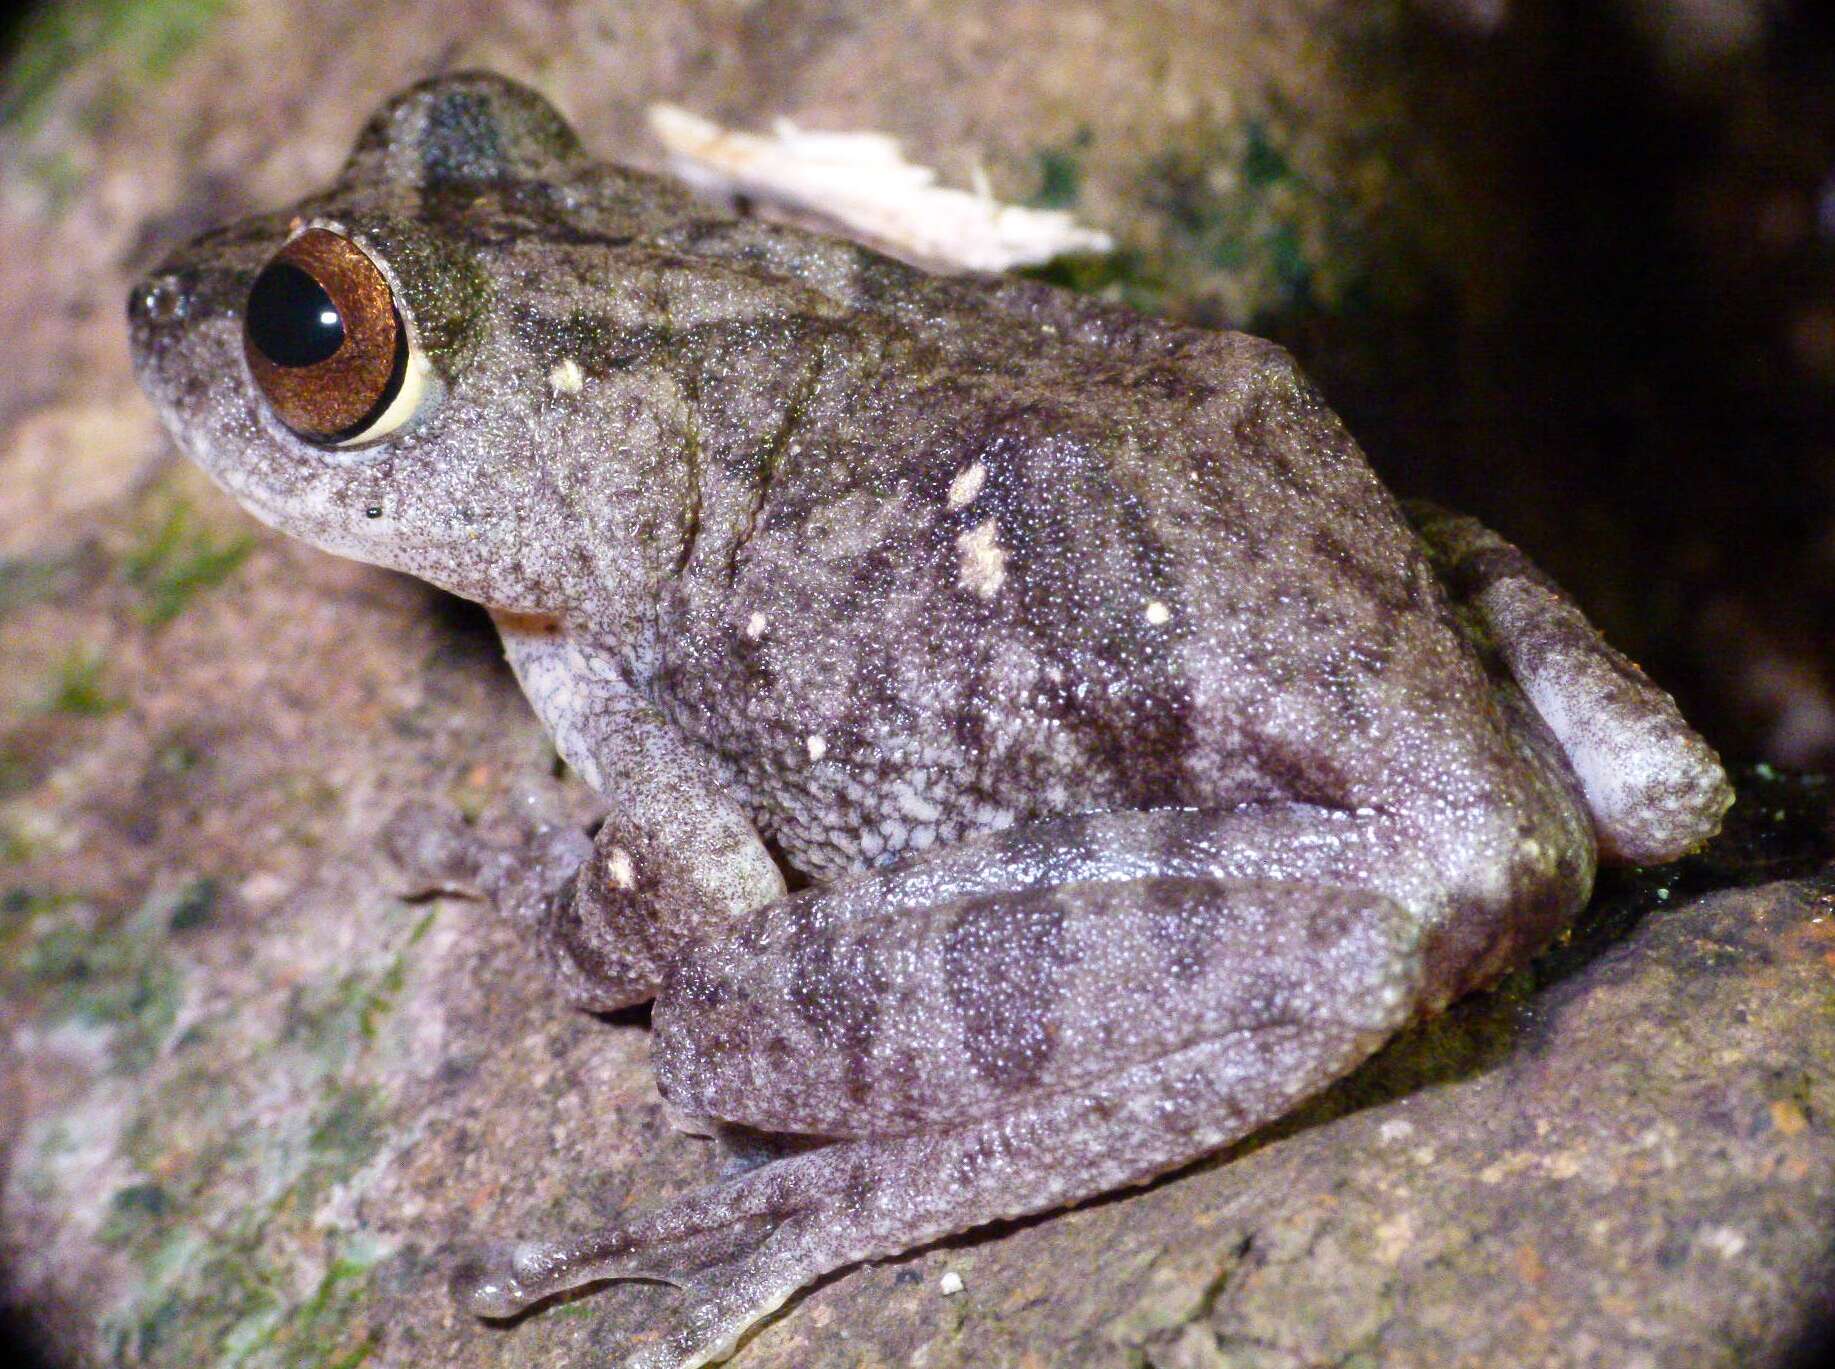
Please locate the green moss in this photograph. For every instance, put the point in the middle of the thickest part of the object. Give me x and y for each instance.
(333, 1020)
(175, 559)
(1262, 163)
(1274, 241)
(242, 1307)
(347, 1133)
(132, 1211)
(1287, 260)
(16, 773)
(155, 1330)
(26, 910)
(21, 911)
(76, 687)
(15, 849)
(1123, 276)
(194, 906)
(141, 1006)
(387, 988)
(115, 978)
(60, 37)
(224, 1301)
(325, 1331)
(234, 1271)
(1060, 172)
(29, 580)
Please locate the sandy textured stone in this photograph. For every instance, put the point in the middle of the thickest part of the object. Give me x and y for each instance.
(254, 1098)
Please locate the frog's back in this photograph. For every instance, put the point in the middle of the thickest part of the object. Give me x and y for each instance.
(1035, 575)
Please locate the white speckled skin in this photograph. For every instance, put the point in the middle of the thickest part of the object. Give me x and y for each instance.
(1146, 766)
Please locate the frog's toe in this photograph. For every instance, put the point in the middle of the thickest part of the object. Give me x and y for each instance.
(485, 1283)
(730, 1267)
(434, 848)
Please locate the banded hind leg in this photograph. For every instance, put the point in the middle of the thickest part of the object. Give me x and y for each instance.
(738, 1250)
(1000, 1028)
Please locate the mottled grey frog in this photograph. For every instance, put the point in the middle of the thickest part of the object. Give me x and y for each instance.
(1136, 763)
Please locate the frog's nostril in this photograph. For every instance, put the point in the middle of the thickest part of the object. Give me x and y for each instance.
(159, 300)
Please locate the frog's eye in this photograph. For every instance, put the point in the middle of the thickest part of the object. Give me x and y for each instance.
(326, 343)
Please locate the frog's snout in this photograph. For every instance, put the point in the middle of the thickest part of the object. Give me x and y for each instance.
(159, 307)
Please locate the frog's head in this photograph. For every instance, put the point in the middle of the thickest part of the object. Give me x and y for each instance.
(367, 372)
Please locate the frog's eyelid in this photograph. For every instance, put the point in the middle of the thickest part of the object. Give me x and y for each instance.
(409, 396)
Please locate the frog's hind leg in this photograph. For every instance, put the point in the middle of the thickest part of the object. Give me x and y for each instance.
(738, 1250)
(1654, 788)
(1230, 1002)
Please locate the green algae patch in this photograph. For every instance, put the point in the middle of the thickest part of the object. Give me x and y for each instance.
(15, 846)
(133, 1212)
(77, 687)
(222, 1210)
(1125, 276)
(349, 1132)
(118, 980)
(28, 580)
(1060, 173)
(333, 1018)
(194, 906)
(323, 1330)
(21, 910)
(175, 559)
(1234, 201)
(235, 1308)
(1239, 228)
(59, 38)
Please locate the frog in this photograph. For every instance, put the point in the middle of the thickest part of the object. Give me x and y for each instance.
(1036, 751)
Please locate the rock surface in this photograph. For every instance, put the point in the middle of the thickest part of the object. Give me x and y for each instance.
(255, 1098)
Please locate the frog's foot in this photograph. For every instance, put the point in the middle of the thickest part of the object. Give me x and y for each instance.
(1222, 1005)
(1654, 788)
(519, 862)
(527, 866)
(734, 1252)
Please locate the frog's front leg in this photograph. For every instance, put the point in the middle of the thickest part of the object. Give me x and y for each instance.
(676, 859)
(1000, 1028)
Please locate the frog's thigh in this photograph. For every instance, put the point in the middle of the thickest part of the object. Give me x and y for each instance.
(942, 1015)
(676, 859)
(1654, 788)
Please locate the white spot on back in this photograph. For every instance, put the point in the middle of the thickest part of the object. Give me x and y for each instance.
(966, 485)
(818, 747)
(1725, 1241)
(566, 378)
(755, 626)
(619, 870)
(950, 1284)
(984, 560)
(1158, 613)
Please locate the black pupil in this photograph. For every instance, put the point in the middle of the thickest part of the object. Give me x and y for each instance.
(291, 318)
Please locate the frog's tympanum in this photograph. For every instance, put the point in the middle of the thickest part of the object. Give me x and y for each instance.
(1138, 765)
